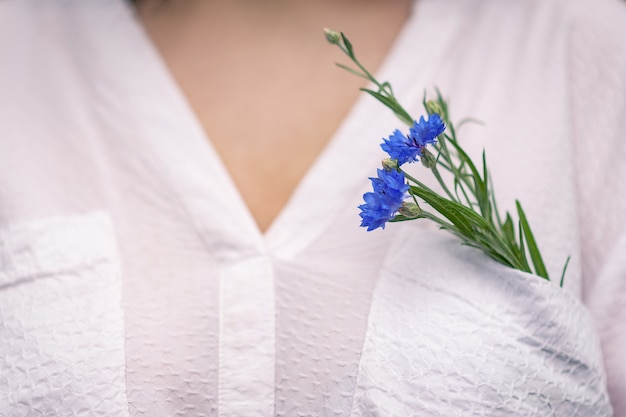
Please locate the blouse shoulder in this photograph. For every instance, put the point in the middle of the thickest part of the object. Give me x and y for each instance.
(604, 20)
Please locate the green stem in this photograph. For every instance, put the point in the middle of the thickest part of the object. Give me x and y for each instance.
(435, 172)
(416, 181)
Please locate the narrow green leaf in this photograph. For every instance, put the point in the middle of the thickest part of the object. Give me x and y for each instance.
(443, 164)
(442, 224)
(458, 185)
(533, 250)
(348, 45)
(387, 88)
(495, 207)
(391, 104)
(494, 248)
(508, 231)
(522, 247)
(352, 70)
(442, 183)
(467, 120)
(564, 269)
(482, 231)
(485, 203)
(485, 174)
(477, 184)
(466, 159)
(463, 217)
(445, 208)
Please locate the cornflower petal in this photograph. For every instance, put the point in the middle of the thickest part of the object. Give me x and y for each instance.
(381, 205)
(409, 148)
(399, 148)
(425, 132)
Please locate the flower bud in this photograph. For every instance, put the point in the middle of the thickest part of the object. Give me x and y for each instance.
(390, 164)
(428, 159)
(410, 210)
(433, 107)
(332, 37)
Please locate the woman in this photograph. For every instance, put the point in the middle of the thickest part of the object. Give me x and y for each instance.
(149, 270)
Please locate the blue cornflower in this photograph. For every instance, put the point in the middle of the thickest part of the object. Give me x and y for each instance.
(425, 132)
(381, 205)
(399, 148)
(409, 148)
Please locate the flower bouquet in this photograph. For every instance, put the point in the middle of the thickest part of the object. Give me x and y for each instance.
(467, 206)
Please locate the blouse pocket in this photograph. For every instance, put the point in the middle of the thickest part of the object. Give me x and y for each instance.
(61, 323)
(452, 333)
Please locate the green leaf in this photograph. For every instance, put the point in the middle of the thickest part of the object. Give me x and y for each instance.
(564, 269)
(469, 120)
(494, 248)
(387, 88)
(483, 197)
(522, 248)
(495, 206)
(467, 160)
(533, 250)
(352, 70)
(348, 45)
(391, 104)
(446, 208)
(463, 217)
(508, 231)
(472, 226)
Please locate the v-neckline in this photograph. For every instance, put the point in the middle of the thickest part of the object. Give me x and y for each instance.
(203, 184)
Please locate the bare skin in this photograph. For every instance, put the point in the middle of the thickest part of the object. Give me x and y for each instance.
(261, 80)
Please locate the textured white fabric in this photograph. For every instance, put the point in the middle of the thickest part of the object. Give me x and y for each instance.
(108, 183)
(246, 374)
(491, 340)
(62, 330)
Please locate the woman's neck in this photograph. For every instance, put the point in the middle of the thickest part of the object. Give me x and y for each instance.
(261, 80)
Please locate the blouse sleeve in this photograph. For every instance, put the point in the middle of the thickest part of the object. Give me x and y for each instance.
(597, 65)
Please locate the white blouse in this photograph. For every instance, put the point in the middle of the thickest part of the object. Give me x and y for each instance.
(135, 282)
